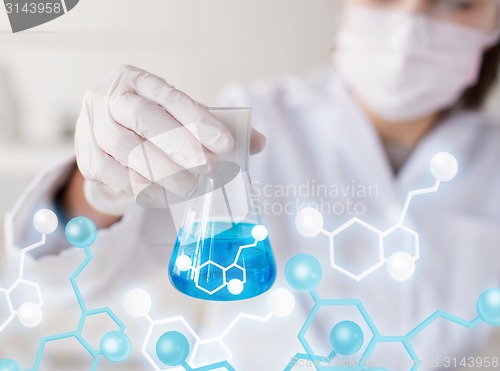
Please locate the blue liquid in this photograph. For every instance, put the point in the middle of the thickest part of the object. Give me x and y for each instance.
(221, 247)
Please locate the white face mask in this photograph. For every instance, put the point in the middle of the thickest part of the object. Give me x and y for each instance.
(406, 66)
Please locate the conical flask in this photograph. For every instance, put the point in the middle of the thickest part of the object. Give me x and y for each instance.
(222, 251)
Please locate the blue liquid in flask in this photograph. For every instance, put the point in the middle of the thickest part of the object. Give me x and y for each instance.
(228, 264)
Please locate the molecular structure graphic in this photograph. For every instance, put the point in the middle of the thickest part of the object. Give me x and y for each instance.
(400, 265)
(115, 346)
(173, 348)
(29, 314)
(235, 286)
(303, 273)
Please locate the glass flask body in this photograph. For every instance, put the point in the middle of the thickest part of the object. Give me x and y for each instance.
(222, 251)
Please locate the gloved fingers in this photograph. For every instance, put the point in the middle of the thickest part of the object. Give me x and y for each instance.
(148, 159)
(189, 113)
(257, 142)
(154, 195)
(150, 121)
(149, 194)
(110, 153)
(124, 146)
(101, 167)
(95, 164)
(104, 199)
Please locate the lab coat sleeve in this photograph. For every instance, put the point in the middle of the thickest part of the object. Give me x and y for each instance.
(54, 262)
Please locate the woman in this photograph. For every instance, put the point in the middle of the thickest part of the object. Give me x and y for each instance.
(409, 79)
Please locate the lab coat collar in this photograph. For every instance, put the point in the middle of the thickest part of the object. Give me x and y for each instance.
(453, 134)
(364, 149)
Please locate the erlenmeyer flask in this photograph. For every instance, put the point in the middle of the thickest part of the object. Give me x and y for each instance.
(222, 251)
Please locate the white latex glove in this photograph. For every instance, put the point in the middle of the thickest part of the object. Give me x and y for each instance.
(135, 115)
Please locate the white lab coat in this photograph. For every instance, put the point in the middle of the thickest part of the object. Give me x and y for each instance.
(316, 133)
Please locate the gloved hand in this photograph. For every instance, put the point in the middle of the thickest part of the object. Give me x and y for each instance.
(136, 115)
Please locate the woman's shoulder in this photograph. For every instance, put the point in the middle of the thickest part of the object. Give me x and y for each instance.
(483, 118)
(476, 135)
(480, 124)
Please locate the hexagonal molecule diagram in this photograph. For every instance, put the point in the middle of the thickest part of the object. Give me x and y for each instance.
(210, 277)
(172, 348)
(347, 338)
(29, 314)
(81, 233)
(400, 264)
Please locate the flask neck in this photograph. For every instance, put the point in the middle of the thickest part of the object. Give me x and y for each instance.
(239, 123)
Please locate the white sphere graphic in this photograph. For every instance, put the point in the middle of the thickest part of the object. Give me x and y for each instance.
(443, 166)
(45, 221)
(138, 303)
(281, 302)
(29, 314)
(401, 266)
(309, 222)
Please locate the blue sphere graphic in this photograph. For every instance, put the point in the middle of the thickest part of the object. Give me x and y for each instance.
(81, 232)
(303, 272)
(115, 346)
(9, 365)
(346, 338)
(172, 348)
(488, 307)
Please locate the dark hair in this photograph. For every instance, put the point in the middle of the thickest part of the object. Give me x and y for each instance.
(476, 96)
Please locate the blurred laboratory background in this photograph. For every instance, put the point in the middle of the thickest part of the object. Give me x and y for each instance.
(197, 45)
